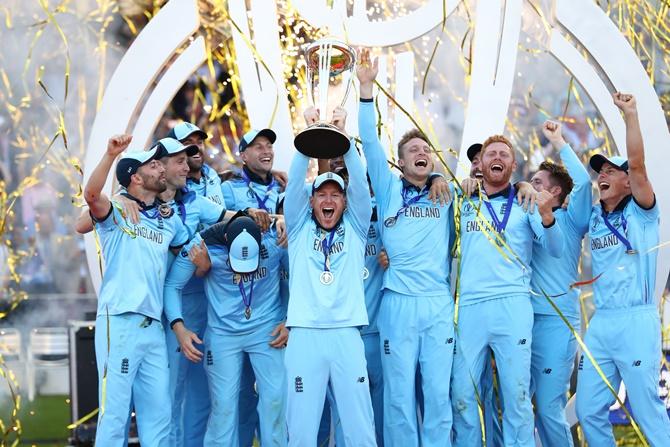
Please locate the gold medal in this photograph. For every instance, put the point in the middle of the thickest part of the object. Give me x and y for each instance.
(247, 313)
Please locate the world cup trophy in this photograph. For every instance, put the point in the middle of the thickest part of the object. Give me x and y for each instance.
(327, 61)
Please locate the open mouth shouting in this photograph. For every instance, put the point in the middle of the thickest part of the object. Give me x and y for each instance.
(497, 168)
(603, 186)
(421, 163)
(266, 160)
(328, 212)
(479, 174)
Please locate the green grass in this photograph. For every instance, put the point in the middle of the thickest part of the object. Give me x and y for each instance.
(44, 420)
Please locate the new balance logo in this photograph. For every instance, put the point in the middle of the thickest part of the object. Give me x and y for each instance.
(547, 371)
(637, 362)
(387, 348)
(361, 380)
(522, 341)
(124, 366)
(298, 384)
(210, 358)
(581, 363)
(449, 341)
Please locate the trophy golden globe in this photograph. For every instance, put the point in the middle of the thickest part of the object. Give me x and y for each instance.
(328, 61)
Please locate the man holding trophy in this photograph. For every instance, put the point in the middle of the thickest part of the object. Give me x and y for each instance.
(327, 235)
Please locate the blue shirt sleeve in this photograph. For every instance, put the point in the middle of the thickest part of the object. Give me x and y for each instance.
(210, 212)
(228, 195)
(296, 199)
(381, 176)
(648, 215)
(581, 197)
(551, 238)
(358, 193)
(181, 235)
(180, 273)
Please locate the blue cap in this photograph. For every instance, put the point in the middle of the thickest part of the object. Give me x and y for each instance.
(473, 150)
(131, 161)
(244, 240)
(250, 136)
(325, 178)
(598, 160)
(183, 130)
(168, 147)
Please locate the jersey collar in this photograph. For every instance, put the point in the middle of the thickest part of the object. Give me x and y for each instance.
(621, 205)
(255, 178)
(142, 205)
(503, 193)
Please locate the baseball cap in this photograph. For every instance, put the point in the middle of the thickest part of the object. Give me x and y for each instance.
(243, 238)
(250, 136)
(183, 130)
(168, 147)
(598, 160)
(325, 178)
(130, 162)
(473, 150)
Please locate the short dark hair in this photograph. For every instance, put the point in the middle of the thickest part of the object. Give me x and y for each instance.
(414, 133)
(558, 175)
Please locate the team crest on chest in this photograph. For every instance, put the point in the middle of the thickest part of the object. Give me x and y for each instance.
(165, 210)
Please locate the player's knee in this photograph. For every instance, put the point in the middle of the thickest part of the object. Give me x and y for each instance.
(585, 409)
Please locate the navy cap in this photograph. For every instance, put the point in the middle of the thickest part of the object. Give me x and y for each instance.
(243, 239)
(183, 130)
(473, 150)
(168, 147)
(325, 178)
(598, 160)
(250, 136)
(131, 161)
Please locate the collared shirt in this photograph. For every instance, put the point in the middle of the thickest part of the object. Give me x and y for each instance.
(550, 275)
(136, 259)
(208, 186)
(239, 195)
(226, 304)
(418, 243)
(626, 280)
(341, 303)
(197, 213)
(485, 274)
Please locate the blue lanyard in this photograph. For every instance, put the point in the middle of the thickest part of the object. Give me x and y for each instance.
(262, 203)
(621, 237)
(406, 203)
(497, 223)
(247, 304)
(325, 246)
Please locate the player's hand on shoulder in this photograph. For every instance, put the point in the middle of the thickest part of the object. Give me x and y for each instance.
(470, 186)
(526, 196)
(199, 256)
(261, 217)
(439, 191)
(130, 209)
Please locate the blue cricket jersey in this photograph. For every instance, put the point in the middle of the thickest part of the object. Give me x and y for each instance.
(136, 257)
(342, 302)
(196, 213)
(484, 273)
(226, 302)
(626, 280)
(283, 280)
(550, 275)
(374, 278)
(418, 243)
(247, 190)
(208, 186)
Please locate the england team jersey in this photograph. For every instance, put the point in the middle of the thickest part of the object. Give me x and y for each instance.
(208, 186)
(247, 190)
(136, 257)
(626, 280)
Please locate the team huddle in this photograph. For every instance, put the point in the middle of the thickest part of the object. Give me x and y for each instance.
(371, 308)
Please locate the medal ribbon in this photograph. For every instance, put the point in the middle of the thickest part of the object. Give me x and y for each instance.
(406, 203)
(325, 246)
(497, 224)
(262, 203)
(615, 232)
(247, 304)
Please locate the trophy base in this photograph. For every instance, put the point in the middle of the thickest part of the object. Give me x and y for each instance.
(322, 140)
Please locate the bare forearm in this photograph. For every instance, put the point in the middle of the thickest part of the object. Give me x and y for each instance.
(98, 178)
(634, 144)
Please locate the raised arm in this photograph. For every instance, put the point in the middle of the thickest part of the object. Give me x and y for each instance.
(581, 197)
(99, 203)
(640, 186)
(296, 200)
(381, 176)
(549, 232)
